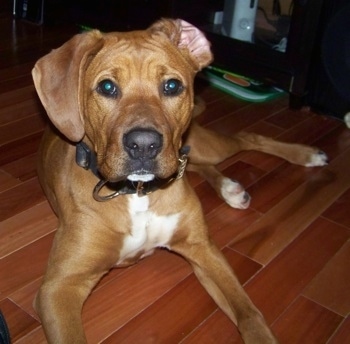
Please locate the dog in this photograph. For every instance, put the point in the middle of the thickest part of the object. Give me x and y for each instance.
(114, 161)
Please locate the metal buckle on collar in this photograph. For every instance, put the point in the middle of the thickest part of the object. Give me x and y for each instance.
(182, 167)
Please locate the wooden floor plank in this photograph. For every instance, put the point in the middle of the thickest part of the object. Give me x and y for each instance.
(19, 322)
(24, 168)
(225, 223)
(287, 118)
(36, 336)
(26, 227)
(25, 265)
(342, 335)
(315, 326)
(20, 198)
(330, 288)
(28, 125)
(339, 210)
(281, 281)
(210, 200)
(273, 187)
(335, 142)
(13, 151)
(216, 329)
(310, 130)
(23, 95)
(19, 111)
(25, 295)
(7, 181)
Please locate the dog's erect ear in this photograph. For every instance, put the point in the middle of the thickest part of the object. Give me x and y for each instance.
(57, 79)
(186, 36)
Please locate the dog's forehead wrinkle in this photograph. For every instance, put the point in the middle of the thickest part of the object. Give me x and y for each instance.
(129, 44)
(129, 47)
(127, 61)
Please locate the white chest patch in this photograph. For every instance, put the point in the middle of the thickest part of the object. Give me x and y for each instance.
(148, 230)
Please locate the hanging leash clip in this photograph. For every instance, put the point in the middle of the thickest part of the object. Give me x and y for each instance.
(184, 151)
(139, 189)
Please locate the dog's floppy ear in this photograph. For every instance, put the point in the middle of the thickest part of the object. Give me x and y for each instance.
(187, 37)
(57, 79)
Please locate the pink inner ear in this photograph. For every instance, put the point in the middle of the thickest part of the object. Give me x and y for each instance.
(193, 39)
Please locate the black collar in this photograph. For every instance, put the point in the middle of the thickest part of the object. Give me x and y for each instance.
(86, 158)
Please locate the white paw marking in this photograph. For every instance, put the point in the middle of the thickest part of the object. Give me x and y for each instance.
(234, 194)
(318, 159)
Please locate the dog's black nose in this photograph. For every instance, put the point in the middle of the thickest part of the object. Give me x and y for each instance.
(143, 143)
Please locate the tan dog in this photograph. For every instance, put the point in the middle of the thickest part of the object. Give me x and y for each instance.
(122, 103)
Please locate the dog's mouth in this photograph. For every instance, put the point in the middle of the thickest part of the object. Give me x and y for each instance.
(142, 182)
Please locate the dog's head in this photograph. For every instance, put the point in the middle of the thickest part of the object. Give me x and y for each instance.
(130, 94)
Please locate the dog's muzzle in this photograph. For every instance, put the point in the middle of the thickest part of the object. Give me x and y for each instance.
(142, 146)
(140, 184)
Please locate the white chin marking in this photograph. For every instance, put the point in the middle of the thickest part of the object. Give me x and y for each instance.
(140, 177)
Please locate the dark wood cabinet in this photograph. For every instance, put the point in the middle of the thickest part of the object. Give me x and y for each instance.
(287, 70)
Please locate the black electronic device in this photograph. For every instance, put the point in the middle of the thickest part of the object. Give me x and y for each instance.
(329, 78)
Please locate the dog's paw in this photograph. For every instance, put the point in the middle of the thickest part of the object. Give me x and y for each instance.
(234, 194)
(318, 158)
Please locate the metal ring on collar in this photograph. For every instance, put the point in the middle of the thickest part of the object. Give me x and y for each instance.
(98, 188)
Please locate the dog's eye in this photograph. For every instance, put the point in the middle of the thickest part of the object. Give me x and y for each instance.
(107, 88)
(172, 87)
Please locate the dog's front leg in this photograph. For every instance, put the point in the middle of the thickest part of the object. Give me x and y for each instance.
(59, 304)
(78, 260)
(217, 277)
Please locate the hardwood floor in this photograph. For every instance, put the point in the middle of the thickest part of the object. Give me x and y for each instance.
(290, 249)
